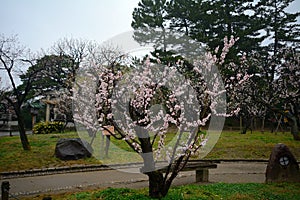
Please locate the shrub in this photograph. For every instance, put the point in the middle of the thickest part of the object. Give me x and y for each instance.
(47, 127)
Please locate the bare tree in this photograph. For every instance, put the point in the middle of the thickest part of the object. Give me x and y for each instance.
(84, 54)
(76, 49)
(87, 52)
(13, 56)
(106, 54)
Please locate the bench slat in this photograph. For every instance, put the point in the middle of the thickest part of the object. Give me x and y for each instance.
(190, 166)
(9, 129)
(200, 167)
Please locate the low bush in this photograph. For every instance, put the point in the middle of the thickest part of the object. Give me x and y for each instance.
(47, 127)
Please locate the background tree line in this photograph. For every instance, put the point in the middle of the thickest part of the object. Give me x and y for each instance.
(268, 34)
(268, 39)
(50, 73)
(254, 45)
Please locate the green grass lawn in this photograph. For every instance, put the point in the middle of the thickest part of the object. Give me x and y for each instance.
(231, 145)
(41, 155)
(217, 191)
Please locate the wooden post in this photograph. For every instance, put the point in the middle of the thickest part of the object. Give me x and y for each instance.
(33, 120)
(107, 135)
(278, 124)
(48, 109)
(5, 190)
(241, 123)
(202, 175)
(263, 124)
(9, 124)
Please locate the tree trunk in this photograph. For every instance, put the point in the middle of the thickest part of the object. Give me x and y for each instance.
(263, 124)
(241, 124)
(247, 125)
(254, 124)
(156, 185)
(22, 131)
(295, 129)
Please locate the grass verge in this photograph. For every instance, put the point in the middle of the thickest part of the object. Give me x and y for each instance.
(41, 155)
(217, 191)
(231, 145)
(256, 145)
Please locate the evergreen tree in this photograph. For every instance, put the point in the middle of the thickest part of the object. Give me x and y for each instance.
(211, 21)
(282, 35)
(149, 22)
(182, 15)
(282, 31)
(207, 21)
(281, 27)
(53, 73)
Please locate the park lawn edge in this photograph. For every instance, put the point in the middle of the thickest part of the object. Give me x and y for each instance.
(215, 191)
(231, 146)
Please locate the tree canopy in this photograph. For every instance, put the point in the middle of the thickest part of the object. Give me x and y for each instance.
(265, 29)
(53, 73)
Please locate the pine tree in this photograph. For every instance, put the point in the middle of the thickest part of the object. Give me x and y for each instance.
(280, 26)
(281, 30)
(149, 22)
(210, 21)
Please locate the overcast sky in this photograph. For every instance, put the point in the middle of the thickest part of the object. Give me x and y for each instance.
(40, 23)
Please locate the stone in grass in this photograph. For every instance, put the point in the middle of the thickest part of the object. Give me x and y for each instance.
(282, 166)
(47, 198)
(72, 149)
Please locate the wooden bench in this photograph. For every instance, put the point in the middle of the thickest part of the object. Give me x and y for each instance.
(201, 168)
(9, 128)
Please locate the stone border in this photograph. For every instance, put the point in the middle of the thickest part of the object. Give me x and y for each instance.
(60, 170)
(88, 168)
(52, 170)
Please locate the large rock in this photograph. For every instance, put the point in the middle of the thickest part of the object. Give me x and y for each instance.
(282, 166)
(72, 149)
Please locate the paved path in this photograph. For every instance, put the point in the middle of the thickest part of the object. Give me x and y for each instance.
(228, 172)
(14, 133)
